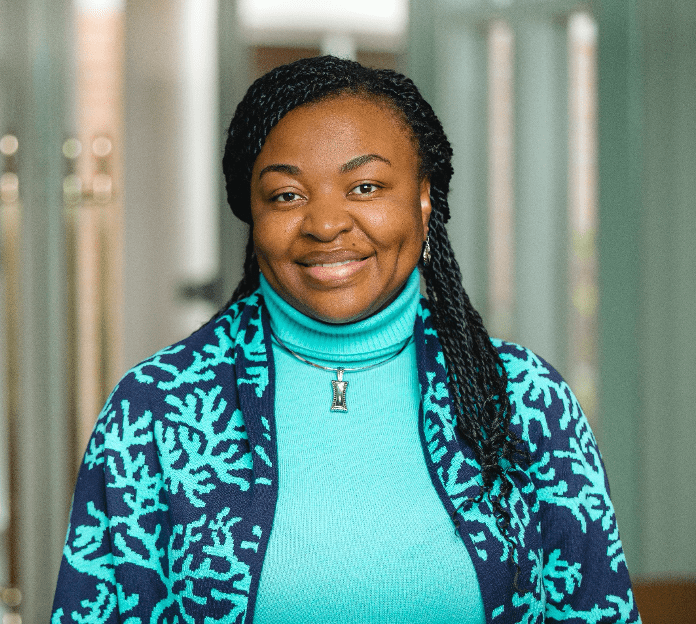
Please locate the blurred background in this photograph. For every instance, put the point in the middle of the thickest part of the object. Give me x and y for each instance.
(574, 221)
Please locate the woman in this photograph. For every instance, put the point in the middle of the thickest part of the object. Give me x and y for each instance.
(332, 447)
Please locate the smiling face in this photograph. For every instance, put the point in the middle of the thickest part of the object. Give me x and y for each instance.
(339, 212)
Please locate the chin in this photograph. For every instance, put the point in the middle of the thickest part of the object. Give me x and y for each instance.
(336, 314)
(335, 318)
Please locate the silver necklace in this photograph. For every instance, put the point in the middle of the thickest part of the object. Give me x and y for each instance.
(339, 386)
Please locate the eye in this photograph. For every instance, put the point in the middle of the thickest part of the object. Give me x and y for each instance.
(365, 189)
(285, 197)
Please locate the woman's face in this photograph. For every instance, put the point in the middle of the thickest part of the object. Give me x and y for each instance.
(339, 212)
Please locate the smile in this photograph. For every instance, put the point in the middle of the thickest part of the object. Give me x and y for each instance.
(333, 264)
(334, 272)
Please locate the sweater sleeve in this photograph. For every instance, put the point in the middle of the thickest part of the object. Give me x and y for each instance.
(87, 590)
(583, 573)
(118, 533)
(161, 527)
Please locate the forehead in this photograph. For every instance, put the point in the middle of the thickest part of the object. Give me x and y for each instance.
(339, 126)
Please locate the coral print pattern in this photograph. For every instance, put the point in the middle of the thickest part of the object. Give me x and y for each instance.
(183, 458)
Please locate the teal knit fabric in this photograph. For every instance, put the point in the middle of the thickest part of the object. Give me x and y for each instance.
(359, 533)
(176, 498)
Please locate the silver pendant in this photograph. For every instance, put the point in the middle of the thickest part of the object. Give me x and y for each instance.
(339, 392)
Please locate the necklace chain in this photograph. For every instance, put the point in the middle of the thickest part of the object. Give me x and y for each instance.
(338, 385)
(341, 368)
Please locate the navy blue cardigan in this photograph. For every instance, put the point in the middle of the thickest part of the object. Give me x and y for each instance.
(176, 494)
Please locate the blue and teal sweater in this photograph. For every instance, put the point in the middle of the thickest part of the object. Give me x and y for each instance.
(359, 533)
(178, 490)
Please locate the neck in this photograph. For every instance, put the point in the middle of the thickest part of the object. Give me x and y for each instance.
(362, 342)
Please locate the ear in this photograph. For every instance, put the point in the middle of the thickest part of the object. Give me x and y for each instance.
(426, 206)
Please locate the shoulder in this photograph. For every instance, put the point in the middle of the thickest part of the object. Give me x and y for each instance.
(521, 363)
(531, 379)
(181, 377)
(179, 397)
(544, 407)
(195, 358)
(584, 570)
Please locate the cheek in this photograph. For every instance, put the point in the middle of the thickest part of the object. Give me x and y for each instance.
(260, 246)
(406, 231)
(268, 255)
(399, 224)
(270, 239)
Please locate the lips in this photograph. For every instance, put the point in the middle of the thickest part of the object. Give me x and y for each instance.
(328, 258)
(334, 266)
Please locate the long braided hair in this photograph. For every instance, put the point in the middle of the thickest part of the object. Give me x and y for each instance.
(476, 375)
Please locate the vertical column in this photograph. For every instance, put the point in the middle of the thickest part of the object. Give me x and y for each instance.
(680, 448)
(541, 187)
(170, 208)
(153, 180)
(620, 214)
(582, 208)
(10, 269)
(422, 45)
(4, 383)
(42, 453)
(199, 165)
(501, 238)
(95, 210)
(4, 419)
(234, 77)
(460, 101)
(668, 289)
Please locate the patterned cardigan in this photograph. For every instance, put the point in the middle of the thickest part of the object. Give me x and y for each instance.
(176, 494)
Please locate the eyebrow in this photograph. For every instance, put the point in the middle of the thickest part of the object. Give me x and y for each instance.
(352, 164)
(289, 169)
(359, 161)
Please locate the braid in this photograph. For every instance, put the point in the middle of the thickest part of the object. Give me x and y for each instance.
(250, 280)
(476, 375)
(477, 378)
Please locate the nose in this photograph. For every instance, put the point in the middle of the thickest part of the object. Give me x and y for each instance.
(325, 218)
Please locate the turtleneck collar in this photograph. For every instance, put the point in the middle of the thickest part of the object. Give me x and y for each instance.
(373, 338)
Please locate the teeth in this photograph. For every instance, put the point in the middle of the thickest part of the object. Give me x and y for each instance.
(334, 264)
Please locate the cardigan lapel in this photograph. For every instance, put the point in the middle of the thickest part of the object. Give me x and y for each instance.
(255, 373)
(456, 475)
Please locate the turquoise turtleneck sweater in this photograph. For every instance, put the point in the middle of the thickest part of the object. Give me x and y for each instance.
(360, 534)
